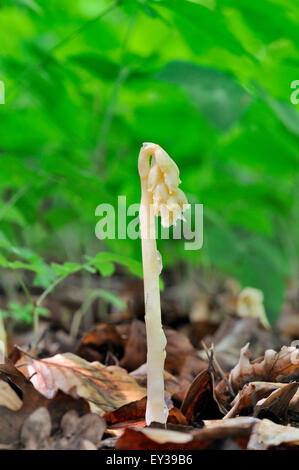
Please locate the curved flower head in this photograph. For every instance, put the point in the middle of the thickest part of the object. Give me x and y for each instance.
(162, 175)
(250, 304)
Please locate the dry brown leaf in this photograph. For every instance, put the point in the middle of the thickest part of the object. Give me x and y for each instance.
(36, 429)
(171, 384)
(250, 394)
(80, 433)
(277, 403)
(105, 388)
(274, 366)
(233, 333)
(237, 429)
(200, 330)
(12, 421)
(75, 433)
(102, 340)
(161, 436)
(266, 434)
(134, 412)
(294, 403)
(179, 350)
(8, 397)
(151, 438)
(198, 397)
(135, 349)
(192, 366)
(181, 357)
(253, 392)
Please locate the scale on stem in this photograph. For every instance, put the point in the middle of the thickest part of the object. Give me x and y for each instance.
(159, 177)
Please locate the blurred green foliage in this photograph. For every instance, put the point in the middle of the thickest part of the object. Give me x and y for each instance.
(87, 81)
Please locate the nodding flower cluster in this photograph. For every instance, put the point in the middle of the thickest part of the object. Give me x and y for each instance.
(162, 183)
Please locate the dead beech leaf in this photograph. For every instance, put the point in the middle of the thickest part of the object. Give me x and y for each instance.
(11, 421)
(75, 433)
(102, 340)
(182, 362)
(8, 397)
(237, 429)
(274, 366)
(294, 403)
(36, 429)
(199, 393)
(78, 431)
(161, 436)
(192, 366)
(178, 352)
(105, 388)
(266, 434)
(253, 392)
(277, 403)
(250, 394)
(231, 336)
(135, 349)
(127, 415)
(134, 412)
(181, 357)
(171, 384)
(176, 417)
(154, 439)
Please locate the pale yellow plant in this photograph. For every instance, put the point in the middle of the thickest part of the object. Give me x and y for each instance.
(159, 177)
(251, 304)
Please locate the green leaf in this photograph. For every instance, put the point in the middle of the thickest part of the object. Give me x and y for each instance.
(109, 297)
(30, 4)
(43, 312)
(66, 269)
(3, 261)
(89, 269)
(287, 113)
(99, 66)
(20, 313)
(20, 265)
(105, 267)
(45, 277)
(4, 242)
(135, 267)
(12, 214)
(217, 95)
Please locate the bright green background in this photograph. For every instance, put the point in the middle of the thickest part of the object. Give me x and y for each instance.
(87, 81)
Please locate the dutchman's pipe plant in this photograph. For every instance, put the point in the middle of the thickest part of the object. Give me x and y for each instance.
(159, 177)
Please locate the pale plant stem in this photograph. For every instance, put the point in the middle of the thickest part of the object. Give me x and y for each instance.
(156, 409)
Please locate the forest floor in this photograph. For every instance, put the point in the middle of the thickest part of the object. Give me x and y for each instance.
(230, 382)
